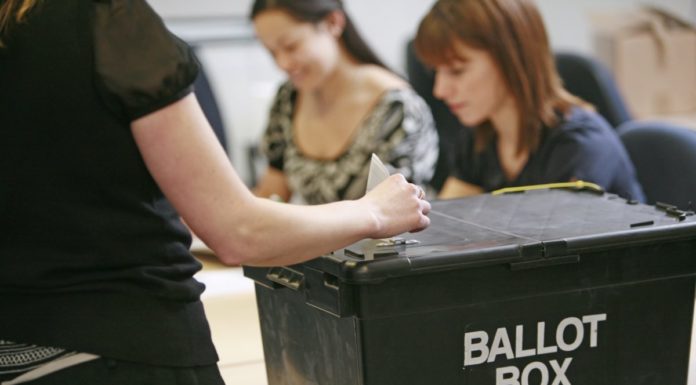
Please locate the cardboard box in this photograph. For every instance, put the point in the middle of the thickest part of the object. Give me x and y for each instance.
(653, 57)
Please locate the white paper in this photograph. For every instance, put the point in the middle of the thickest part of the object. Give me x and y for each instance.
(378, 173)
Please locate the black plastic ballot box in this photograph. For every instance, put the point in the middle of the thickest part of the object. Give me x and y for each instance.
(548, 287)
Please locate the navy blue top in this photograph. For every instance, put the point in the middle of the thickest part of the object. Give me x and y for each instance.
(582, 147)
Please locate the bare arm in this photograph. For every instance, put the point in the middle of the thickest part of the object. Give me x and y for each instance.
(457, 188)
(273, 182)
(183, 155)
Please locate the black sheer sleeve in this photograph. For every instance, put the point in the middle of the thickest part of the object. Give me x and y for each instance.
(140, 65)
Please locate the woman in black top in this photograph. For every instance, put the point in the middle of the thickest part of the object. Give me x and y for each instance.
(495, 71)
(102, 147)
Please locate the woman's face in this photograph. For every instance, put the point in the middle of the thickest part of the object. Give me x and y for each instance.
(471, 86)
(306, 52)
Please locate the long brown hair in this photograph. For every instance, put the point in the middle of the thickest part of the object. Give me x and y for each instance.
(314, 11)
(13, 12)
(513, 33)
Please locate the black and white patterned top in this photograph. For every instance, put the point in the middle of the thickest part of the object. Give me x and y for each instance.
(24, 363)
(399, 129)
(18, 358)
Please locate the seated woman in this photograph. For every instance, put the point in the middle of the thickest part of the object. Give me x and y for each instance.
(340, 105)
(495, 71)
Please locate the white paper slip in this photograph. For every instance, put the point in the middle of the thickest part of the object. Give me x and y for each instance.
(378, 173)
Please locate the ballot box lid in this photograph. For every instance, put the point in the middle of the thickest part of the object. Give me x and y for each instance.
(520, 229)
(523, 230)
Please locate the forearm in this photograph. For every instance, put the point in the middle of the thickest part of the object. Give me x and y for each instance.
(272, 233)
(192, 171)
(190, 167)
(457, 188)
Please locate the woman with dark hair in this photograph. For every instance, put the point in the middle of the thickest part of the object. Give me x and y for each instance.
(339, 106)
(495, 71)
(103, 149)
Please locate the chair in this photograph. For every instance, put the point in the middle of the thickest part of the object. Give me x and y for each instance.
(587, 78)
(664, 155)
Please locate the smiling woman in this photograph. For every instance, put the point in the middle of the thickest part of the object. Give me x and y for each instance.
(340, 105)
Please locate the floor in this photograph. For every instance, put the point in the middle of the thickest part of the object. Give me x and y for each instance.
(230, 305)
(231, 308)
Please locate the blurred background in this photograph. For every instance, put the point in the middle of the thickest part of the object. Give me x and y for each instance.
(656, 78)
(243, 77)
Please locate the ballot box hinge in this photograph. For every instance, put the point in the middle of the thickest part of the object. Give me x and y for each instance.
(286, 277)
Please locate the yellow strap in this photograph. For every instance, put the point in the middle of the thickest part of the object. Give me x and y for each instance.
(578, 184)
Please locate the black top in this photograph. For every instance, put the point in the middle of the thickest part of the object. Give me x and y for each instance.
(93, 258)
(582, 147)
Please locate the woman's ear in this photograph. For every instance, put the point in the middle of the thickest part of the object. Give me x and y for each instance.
(335, 23)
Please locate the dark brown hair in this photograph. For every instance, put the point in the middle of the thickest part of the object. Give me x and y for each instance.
(513, 33)
(314, 11)
(12, 12)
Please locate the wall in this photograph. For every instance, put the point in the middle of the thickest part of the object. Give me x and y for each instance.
(245, 78)
(566, 19)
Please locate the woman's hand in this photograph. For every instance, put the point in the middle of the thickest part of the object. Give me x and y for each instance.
(189, 165)
(397, 207)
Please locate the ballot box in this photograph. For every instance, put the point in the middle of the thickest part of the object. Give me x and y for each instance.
(550, 287)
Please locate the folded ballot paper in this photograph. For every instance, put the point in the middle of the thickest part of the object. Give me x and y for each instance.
(378, 173)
